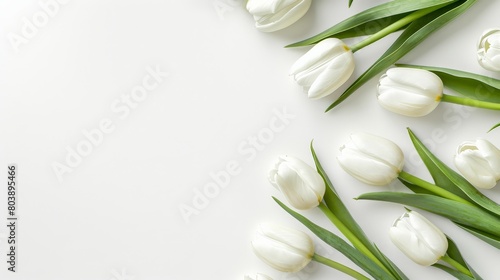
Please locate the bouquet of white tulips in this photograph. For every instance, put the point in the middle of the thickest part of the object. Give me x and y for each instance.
(451, 195)
(409, 90)
(418, 19)
(373, 160)
(305, 187)
(415, 91)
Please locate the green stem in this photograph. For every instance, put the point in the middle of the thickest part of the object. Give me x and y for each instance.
(395, 27)
(350, 236)
(470, 102)
(340, 267)
(456, 265)
(432, 188)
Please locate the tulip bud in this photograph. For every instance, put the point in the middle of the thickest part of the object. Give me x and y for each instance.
(488, 50)
(324, 68)
(273, 15)
(479, 163)
(283, 248)
(371, 159)
(301, 184)
(258, 276)
(409, 91)
(418, 238)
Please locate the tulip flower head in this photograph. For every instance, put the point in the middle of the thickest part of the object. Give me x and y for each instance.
(258, 276)
(371, 159)
(324, 68)
(418, 238)
(479, 163)
(273, 15)
(409, 91)
(488, 50)
(301, 184)
(283, 248)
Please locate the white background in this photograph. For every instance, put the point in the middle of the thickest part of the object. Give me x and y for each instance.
(117, 215)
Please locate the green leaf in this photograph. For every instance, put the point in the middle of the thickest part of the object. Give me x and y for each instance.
(471, 85)
(350, 3)
(339, 244)
(338, 208)
(375, 18)
(455, 254)
(413, 35)
(488, 238)
(414, 188)
(368, 28)
(435, 166)
(495, 126)
(396, 272)
(461, 213)
(457, 274)
(335, 204)
(447, 178)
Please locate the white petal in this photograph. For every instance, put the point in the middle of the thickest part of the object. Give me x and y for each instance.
(294, 238)
(418, 238)
(411, 246)
(338, 71)
(278, 255)
(410, 92)
(488, 53)
(302, 185)
(284, 17)
(319, 54)
(475, 169)
(433, 236)
(262, 7)
(365, 169)
(492, 154)
(283, 248)
(299, 195)
(379, 148)
(424, 80)
(406, 103)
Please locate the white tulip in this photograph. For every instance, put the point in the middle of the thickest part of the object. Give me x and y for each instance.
(283, 248)
(301, 184)
(371, 159)
(324, 68)
(418, 238)
(258, 276)
(273, 15)
(488, 50)
(479, 163)
(409, 91)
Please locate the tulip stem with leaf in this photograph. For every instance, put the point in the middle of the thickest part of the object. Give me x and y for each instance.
(470, 102)
(425, 244)
(467, 208)
(340, 267)
(456, 265)
(306, 188)
(395, 27)
(345, 248)
(417, 19)
(494, 127)
(416, 91)
(349, 235)
(418, 182)
(290, 250)
(378, 161)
